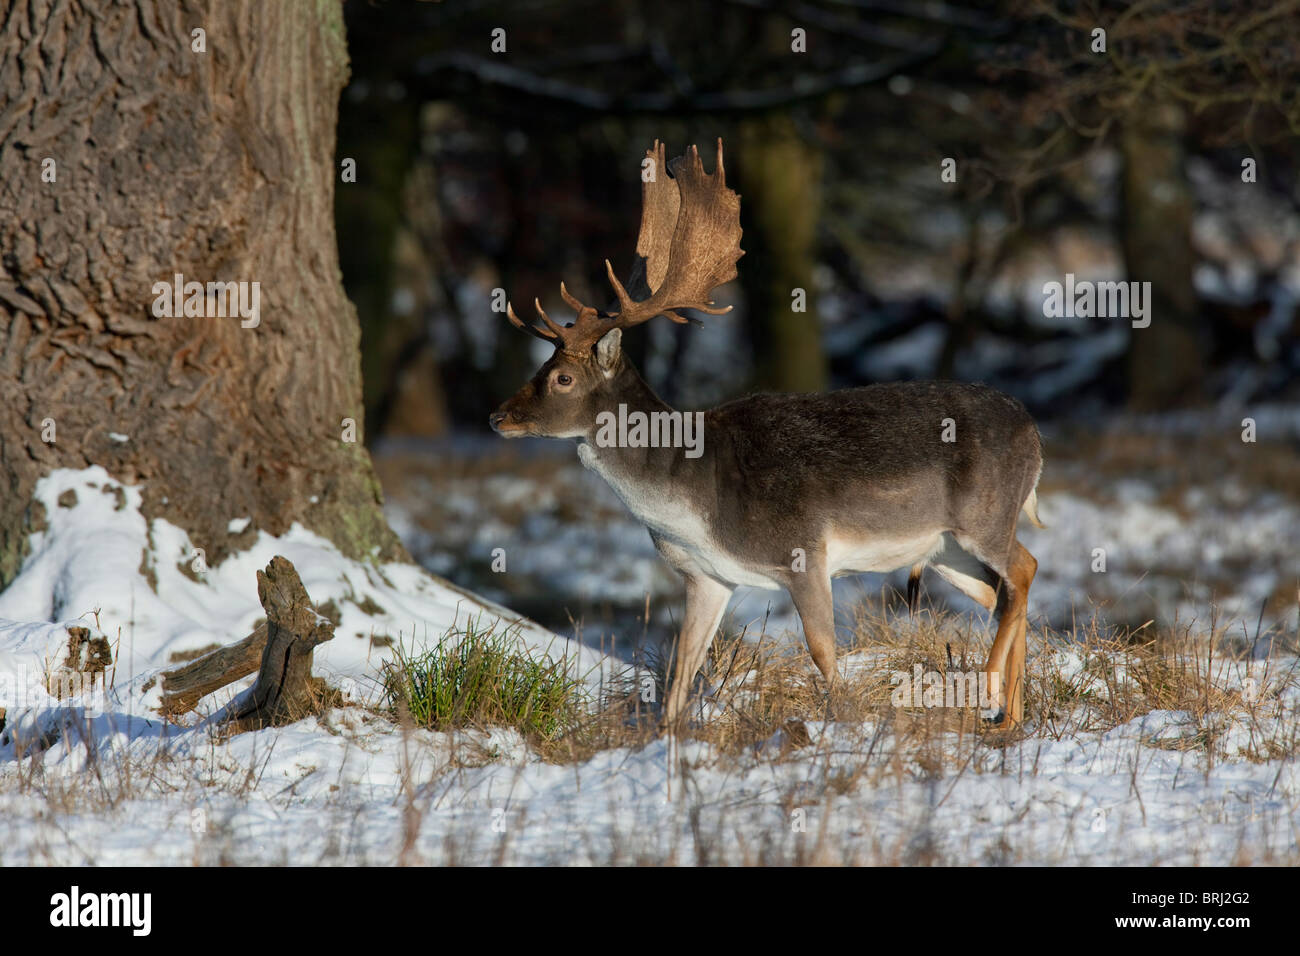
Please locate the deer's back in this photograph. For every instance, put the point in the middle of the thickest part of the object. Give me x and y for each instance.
(877, 431)
(872, 460)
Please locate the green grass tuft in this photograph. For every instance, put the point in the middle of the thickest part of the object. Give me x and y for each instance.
(476, 677)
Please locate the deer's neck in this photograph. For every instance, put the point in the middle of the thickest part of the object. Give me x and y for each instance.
(657, 459)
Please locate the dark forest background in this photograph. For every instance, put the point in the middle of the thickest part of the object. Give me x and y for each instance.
(478, 170)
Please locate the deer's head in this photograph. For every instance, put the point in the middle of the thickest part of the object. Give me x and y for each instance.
(688, 246)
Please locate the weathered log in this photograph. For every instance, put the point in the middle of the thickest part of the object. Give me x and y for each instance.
(185, 686)
(280, 650)
(285, 690)
(86, 654)
(87, 664)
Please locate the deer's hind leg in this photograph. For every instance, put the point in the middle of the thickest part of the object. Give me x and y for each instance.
(1006, 662)
(981, 583)
(812, 599)
(811, 592)
(1023, 569)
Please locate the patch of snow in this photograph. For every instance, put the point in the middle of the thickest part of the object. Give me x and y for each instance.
(89, 567)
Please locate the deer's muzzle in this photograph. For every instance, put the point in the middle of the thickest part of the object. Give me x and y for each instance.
(505, 422)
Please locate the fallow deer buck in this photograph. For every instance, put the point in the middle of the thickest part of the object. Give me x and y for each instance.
(860, 479)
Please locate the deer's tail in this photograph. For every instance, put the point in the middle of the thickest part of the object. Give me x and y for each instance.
(1030, 508)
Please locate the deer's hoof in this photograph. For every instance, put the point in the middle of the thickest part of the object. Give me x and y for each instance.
(993, 716)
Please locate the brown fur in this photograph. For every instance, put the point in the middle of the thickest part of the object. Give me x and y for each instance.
(789, 490)
(780, 472)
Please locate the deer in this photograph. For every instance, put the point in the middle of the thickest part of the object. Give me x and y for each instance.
(788, 490)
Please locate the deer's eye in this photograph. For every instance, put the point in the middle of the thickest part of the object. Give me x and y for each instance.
(564, 380)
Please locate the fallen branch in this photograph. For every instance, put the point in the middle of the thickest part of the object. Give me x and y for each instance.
(280, 650)
(184, 687)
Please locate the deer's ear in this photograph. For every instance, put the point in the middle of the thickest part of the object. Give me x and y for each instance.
(607, 349)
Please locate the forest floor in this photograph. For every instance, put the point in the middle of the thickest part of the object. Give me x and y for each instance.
(1163, 705)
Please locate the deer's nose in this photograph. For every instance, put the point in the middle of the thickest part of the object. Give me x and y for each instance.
(495, 419)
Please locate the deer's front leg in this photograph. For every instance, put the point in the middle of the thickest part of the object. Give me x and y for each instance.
(706, 602)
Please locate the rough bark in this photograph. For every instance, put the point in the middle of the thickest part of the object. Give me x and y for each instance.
(215, 165)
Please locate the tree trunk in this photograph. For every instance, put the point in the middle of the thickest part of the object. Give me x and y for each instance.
(1167, 358)
(780, 200)
(216, 165)
(381, 133)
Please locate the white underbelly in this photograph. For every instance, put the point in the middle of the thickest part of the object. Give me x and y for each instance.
(690, 537)
(845, 556)
(676, 523)
(722, 566)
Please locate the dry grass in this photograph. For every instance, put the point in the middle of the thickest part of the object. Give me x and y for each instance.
(762, 693)
(766, 707)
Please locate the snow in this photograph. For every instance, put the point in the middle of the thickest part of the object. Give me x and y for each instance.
(340, 797)
(117, 785)
(86, 569)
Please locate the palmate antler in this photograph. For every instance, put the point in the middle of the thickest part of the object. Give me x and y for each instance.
(689, 244)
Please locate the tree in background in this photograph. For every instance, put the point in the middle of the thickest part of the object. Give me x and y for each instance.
(1152, 80)
(562, 109)
(837, 116)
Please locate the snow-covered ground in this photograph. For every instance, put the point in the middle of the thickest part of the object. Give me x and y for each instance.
(111, 782)
(88, 568)
(354, 790)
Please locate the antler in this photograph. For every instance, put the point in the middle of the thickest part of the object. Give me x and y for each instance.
(688, 245)
(552, 332)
